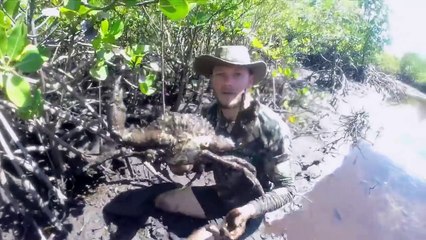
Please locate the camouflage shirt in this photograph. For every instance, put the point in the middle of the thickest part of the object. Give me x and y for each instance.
(263, 139)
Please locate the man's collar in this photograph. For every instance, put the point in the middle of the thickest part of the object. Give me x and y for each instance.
(251, 110)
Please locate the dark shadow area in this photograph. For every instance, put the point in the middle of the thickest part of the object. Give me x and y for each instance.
(133, 210)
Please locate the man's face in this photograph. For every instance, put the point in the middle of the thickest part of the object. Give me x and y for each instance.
(229, 83)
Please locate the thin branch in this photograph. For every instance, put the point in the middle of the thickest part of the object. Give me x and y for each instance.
(79, 97)
(58, 140)
(162, 66)
(29, 162)
(10, 199)
(28, 186)
(146, 2)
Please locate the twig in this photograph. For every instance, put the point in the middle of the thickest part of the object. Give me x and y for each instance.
(162, 66)
(30, 163)
(28, 186)
(153, 171)
(79, 98)
(58, 140)
(78, 121)
(9, 199)
(39, 149)
(146, 2)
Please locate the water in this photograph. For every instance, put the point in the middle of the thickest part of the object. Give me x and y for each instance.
(379, 191)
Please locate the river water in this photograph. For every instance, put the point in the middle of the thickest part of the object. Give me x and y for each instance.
(379, 191)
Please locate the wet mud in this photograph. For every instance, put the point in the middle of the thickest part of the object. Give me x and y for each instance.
(368, 197)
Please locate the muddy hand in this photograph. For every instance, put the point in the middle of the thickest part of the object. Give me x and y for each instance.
(181, 169)
(235, 223)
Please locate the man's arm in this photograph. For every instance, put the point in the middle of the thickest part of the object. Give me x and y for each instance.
(278, 170)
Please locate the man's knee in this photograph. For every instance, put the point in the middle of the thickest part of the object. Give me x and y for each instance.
(162, 201)
(180, 201)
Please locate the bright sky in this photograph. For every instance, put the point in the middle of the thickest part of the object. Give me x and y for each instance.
(407, 26)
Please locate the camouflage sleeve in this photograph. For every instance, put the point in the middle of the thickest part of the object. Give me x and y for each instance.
(277, 169)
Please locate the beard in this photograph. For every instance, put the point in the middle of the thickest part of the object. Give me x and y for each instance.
(234, 103)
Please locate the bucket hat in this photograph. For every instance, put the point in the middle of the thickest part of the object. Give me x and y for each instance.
(229, 55)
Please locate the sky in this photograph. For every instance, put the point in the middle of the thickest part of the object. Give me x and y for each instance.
(407, 19)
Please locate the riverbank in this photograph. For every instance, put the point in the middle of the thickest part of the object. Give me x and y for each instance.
(316, 155)
(378, 192)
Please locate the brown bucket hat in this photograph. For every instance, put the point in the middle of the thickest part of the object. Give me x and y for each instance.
(230, 55)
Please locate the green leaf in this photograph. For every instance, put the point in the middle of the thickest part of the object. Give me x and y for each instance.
(117, 28)
(30, 60)
(145, 89)
(18, 90)
(174, 9)
(286, 104)
(288, 72)
(198, 1)
(97, 43)
(107, 56)
(82, 10)
(99, 71)
(104, 27)
(247, 25)
(292, 119)
(139, 49)
(17, 40)
(68, 13)
(5, 21)
(33, 108)
(11, 7)
(136, 53)
(256, 43)
(130, 3)
(45, 53)
(108, 39)
(73, 4)
(3, 43)
(150, 79)
(304, 91)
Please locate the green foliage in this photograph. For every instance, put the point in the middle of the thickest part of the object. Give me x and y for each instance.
(388, 63)
(17, 90)
(320, 34)
(11, 7)
(16, 41)
(147, 86)
(18, 57)
(30, 60)
(174, 9)
(317, 33)
(413, 67)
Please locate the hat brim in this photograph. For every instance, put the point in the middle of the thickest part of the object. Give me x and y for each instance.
(204, 65)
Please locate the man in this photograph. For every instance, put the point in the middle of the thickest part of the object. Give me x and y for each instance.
(262, 138)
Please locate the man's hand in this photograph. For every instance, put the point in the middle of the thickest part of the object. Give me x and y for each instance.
(236, 220)
(181, 169)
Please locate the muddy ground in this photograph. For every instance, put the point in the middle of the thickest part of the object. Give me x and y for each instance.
(121, 207)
